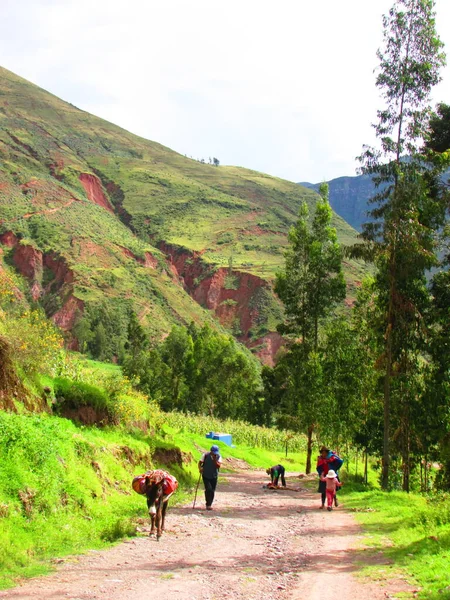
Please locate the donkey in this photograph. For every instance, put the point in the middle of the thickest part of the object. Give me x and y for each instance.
(160, 485)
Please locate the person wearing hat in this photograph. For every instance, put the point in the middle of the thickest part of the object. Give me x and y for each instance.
(327, 460)
(209, 466)
(275, 473)
(322, 470)
(332, 484)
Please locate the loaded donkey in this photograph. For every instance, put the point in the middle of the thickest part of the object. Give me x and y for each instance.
(157, 486)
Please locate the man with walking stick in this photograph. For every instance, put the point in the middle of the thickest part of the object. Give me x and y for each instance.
(209, 466)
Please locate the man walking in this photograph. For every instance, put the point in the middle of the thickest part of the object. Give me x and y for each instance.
(209, 467)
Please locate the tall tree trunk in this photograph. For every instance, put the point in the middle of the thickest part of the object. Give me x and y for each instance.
(387, 411)
(316, 333)
(405, 447)
(366, 455)
(309, 449)
(388, 373)
(390, 319)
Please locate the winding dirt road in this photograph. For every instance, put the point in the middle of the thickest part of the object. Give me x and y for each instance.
(255, 544)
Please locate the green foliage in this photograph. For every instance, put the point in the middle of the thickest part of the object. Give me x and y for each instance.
(401, 238)
(157, 196)
(231, 281)
(312, 283)
(436, 420)
(438, 138)
(244, 434)
(65, 489)
(137, 340)
(310, 288)
(36, 342)
(201, 371)
(75, 394)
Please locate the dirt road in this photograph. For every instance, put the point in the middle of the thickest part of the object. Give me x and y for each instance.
(255, 544)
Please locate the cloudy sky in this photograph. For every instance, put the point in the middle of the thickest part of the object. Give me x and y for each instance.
(283, 87)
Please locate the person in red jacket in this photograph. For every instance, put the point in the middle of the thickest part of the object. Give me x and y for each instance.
(322, 469)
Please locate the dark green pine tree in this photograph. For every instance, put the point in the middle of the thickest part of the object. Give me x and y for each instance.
(310, 287)
(137, 340)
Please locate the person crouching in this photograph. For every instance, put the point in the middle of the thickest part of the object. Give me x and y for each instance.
(275, 473)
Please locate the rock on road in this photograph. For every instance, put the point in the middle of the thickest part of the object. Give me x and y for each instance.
(255, 544)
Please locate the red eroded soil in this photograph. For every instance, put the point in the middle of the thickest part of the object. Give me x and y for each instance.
(28, 261)
(67, 314)
(269, 345)
(256, 544)
(91, 253)
(232, 301)
(9, 239)
(149, 261)
(94, 190)
(62, 273)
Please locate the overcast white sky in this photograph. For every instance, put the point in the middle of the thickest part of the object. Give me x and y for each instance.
(283, 87)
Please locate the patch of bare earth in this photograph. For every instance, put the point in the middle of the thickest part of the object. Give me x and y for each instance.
(255, 544)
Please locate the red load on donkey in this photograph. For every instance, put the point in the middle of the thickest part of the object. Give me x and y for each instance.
(157, 486)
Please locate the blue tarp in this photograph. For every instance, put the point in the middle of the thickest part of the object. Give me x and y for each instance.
(221, 437)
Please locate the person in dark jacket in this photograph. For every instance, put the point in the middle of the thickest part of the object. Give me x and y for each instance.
(209, 466)
(275, 473)
(327, 460)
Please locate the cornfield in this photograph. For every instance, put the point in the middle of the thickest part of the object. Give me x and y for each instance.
(243, 433)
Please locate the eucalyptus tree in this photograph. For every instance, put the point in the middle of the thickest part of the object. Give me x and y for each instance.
(400, 239)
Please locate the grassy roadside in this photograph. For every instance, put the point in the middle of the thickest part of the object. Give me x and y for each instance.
(65, 489)
(412, 531)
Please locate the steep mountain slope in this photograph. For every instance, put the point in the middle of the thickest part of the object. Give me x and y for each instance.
(93, 214)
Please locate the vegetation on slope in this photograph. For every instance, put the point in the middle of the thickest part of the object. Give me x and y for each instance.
(80, 192)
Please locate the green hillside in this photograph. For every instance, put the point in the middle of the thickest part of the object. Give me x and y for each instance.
(93, 215)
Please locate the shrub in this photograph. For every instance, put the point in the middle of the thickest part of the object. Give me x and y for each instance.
(10, 384)
(229, 302)
(128, 409)
(75, 394)
(35, 342)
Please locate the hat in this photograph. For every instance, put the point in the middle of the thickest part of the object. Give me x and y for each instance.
(215, 449)
(331, 474)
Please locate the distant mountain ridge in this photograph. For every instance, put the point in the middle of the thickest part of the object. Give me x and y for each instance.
(349, 197)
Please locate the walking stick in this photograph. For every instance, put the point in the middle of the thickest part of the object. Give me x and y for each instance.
(196, 490)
